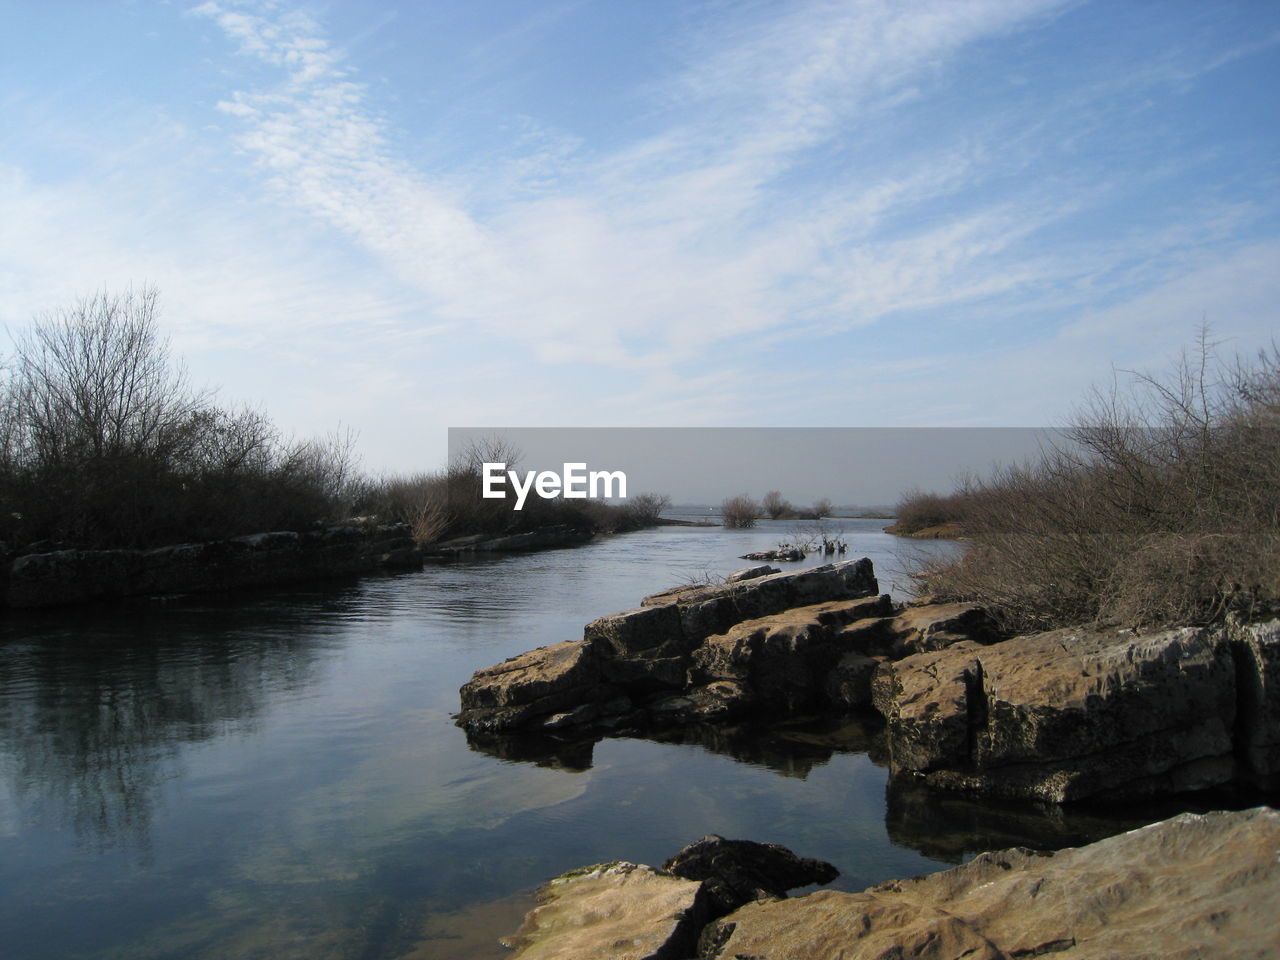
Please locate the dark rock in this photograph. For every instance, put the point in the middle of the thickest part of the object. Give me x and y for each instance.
(262, 559)
(1255, 650)
(789, 554)
(739, 871)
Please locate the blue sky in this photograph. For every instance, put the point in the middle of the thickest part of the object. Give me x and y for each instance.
(405, 217)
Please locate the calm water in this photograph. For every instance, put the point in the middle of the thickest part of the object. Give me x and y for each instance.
(278, 775)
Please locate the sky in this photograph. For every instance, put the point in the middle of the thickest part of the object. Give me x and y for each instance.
(392, 219)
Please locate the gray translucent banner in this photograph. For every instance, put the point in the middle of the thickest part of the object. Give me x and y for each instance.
(855, 466)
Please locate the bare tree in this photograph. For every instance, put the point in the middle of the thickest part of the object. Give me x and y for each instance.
(95, 381)
(740, 511)
(774, 504)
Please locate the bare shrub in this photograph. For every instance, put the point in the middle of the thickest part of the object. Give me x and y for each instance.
(822, 508)
(1162, 506)
(739, 512)
(775, 505)
(105, 443)
(918, 510)
(642, 510)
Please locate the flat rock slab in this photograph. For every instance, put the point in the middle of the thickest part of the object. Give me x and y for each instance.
(534, 684)
(620, 911)
(1195, 886)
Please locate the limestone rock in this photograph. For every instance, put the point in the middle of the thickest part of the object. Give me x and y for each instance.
(1256, 650)
(1195, 886)
(646, 654)
(785, 659)
(921, 628)
(533, 685)
(1065, 715)
(622, 911)
(751, 573)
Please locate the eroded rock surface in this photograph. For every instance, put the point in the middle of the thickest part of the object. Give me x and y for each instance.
(632, 670)
(621, 910)
(1195, 886)
(1086, 713)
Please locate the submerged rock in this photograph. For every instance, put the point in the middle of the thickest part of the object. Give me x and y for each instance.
(543, 538)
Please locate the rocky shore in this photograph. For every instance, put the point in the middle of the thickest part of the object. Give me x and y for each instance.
(68, 576)
(1062, 716)
(60, 576)
(1194, 886)
(963, 712)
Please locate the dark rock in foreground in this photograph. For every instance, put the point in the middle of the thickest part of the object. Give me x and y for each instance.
(735, 872)
(1195, 886)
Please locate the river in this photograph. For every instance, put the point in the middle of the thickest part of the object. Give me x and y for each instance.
(276, 774)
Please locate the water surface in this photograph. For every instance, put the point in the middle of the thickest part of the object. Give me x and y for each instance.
(277, 774)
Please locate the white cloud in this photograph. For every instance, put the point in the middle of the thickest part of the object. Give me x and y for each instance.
(673, 243)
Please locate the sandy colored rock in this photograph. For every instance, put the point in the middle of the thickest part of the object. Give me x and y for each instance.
(645, 654)
(921, 628)
(620, 911)
(1065, 715)
(785, 659)
(535, 684)
(1195, 886)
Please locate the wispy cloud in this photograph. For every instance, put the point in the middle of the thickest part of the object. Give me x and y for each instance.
(873, 212)
(644, 256)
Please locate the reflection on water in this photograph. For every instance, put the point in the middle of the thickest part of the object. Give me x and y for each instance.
(278, 775)
(92, 730)
(791, 748)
